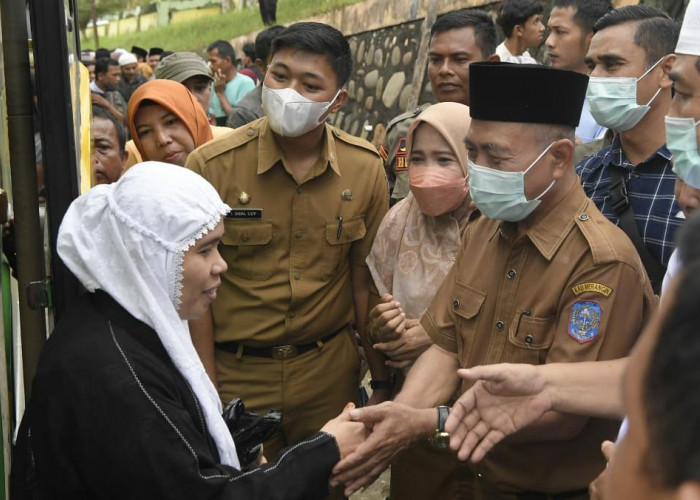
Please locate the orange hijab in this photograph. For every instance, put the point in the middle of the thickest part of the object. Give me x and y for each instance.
(174, 97)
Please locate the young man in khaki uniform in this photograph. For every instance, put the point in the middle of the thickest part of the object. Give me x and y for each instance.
(541, 277)
(306, 200)
(458, 39)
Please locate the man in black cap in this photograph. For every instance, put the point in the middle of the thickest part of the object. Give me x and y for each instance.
(542, 276)
(154, 57)
(140, 53)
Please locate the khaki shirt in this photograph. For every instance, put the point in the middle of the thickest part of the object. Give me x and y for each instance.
(395, 155)
(572, 288)
(289, 246)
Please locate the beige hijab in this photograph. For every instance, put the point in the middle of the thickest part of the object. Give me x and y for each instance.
(412, 252)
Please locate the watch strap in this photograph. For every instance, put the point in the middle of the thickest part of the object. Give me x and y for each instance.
(381, 384)
(442, 413)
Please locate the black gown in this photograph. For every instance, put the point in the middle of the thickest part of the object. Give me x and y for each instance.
(111, 417)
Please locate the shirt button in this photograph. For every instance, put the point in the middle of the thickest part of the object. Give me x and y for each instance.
(291, 314)
(250, 132)
(297, 276)
(527, 312)
(529, 339)
(583, 217)
(298, 234)
(300, 190)
(455, 304)
(500, 325)
(511, 274)
(244, 236)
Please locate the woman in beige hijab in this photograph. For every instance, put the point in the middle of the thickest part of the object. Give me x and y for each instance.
(414, 250)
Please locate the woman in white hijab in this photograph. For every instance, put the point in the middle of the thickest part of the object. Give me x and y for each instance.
(121, 405)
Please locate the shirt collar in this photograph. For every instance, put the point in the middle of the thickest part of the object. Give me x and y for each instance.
(617, 156)
(269, 154)
(95, 88)
(548, 231)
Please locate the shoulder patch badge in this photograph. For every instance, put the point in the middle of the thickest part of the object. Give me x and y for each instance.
(400, 155)
(584, 324)
(593, 288)
(383, 153)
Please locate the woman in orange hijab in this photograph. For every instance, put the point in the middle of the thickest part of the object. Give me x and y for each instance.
(166, 122)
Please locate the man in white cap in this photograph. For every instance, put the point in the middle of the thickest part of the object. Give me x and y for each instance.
(683, 118)
(131, 76)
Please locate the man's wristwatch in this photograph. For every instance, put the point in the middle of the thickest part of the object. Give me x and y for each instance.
(441, 439)
(381, 384)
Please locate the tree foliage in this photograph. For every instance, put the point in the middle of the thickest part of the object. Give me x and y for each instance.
(104, 8)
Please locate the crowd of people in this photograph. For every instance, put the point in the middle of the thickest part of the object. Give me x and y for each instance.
(498, 264)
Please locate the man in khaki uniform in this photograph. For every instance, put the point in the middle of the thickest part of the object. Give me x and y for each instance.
(541, 277)
(306, 200)
(458, 39)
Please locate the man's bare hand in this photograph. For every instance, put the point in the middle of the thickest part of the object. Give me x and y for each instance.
(98, 100)
(393, 427)
(596, 489)
(504, 399)
(386, 320)
(219, 82)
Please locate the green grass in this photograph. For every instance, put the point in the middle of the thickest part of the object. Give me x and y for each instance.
(196, 35)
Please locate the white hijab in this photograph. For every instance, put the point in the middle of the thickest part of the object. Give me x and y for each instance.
(129, 239)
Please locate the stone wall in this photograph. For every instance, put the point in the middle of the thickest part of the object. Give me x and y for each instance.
(385, 37)
(381, 81)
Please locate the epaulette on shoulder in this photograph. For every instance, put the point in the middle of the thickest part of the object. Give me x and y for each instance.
(601, 237)
(353, 140)
(408, 115)
(234, 139)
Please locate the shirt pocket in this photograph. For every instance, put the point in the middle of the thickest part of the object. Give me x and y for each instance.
(530, 338)
(339, 238)
(467, 304)
(247, 250)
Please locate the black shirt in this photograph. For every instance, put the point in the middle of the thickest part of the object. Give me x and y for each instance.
(111, 417)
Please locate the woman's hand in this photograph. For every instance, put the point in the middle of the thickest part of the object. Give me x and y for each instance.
(348, 434)
(405, 350)
(386, 320)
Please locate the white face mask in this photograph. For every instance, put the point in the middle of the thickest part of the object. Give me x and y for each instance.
(501, 195)
(613, 101)
(291, 114)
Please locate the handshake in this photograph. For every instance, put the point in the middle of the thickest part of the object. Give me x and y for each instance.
(369, 438)
(503, 400)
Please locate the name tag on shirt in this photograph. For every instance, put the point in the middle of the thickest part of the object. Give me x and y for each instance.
(245, 213)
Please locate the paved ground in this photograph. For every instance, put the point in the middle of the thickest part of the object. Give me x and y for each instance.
(377, 491)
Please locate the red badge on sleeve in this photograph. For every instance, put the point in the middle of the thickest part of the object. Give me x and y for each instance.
(400, 155)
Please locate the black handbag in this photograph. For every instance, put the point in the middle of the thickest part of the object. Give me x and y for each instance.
(249, 430)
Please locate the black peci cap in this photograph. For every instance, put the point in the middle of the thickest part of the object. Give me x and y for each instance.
(525, 93)
(139, 52)
(155, 51)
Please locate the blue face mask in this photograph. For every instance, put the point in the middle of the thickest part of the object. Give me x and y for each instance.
(682, 141)
(501, 195)
(613, 101)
